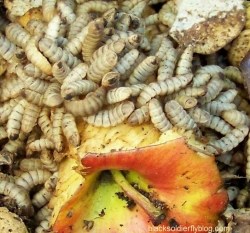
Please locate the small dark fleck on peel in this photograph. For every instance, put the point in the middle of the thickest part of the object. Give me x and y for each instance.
(88, 224)
(173, 223)
(69, 214)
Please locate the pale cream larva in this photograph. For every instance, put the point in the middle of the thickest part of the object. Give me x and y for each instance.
(48, 9)
(60, 71)
(52, 96)
(47, 161)
(184, 65)
(33, 97)
(227, 96)
(41, 144)
(118, 94)
(217, 108)
(7, 48)
(44, 122)
(29, 164)
(66, 12)
(139, 116)
(235, 117)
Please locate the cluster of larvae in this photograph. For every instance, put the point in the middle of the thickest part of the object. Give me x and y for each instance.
(104, 63)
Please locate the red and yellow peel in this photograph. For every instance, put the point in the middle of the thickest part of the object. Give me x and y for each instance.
(188, 184)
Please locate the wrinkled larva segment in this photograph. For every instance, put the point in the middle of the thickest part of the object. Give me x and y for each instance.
(19, 194)
(101, 66)
(110, 79)
(227, 96)
(34, 84)
(161, 88)
(17, 35)
(41, 198)
(30, 179)
(41, 144)
(33, 97)
(242, 197)
(91, 104)
(47, 161)
(70, 130)
(186, 102)
(53, 27)
(35, 27)
(52, 96)
(201, 79)
(112, 116)
(158, 117)
(57, 133)
(7, 48)
(236, 118)
(152, 19)
(167, 65)
(234, 74)
(14, 146)
(136, 89)
(123, 23)
(167, 13)
(36, 57)
(44, 122)
(214, 87)
(118, 94)
(229, 141)
(92, 38)
(54, 53)
(143, 70)
(15, 120)
(30, 116)
(66, 12)
(242, 104)
(126, 62)
(217, 107)
(44, 226)
(30, 164)
(184, 65)
(43, 213)
(139, 116)
(60, 71)
(35, 72)
(48, 9)
(178, 116)
(165, 46)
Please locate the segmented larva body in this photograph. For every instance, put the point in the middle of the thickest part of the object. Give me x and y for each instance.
(242, 198)
(102, 65)
(92, 38)
(112, 116)
(34, 84)
(234, 74)
(178, 116)
(7, 108)
(48, 9)
(7, 48)
(156, 44)
(43, 213)
(167, 65)
(201, 79)
(136, 89)
(90, 105)
(199, 115)
(235, 117)
(161, 88)
(229, 141)
(50, 184)
(52, 96)
(210, 69)
(118, 94)
(17, 35)
(94, 6)
(216, 107)
(110, 79)
(35, 27)
(44, 226)
(3, 133)
(20, 56)
(158, 116)
(41, 198)
(66, 12)
(60, 71)
(33, 97)
(184, 65)
(151, 19)
(48, 162)
(30, 164)
(70, 130)
(17, 145)
(190, 91)
(53, 27)
(10, 88)
(143, 70)
(35, 72)
(139, 116)
(123, 23)
(248, 159)
(80, 87)
(57, 133)
(30, 179)
(20, 195)
(15, 120)
(227, 96)
(78, 73)
(7, 177)
(186, 102)
(242, 104)
(126, 62)
(232, 192)
(45, 123)
(116, 46)
(41, 144)
(30, 116)
(167, 13)
(214, 87)
(76, 27)
(36, 57)
(55, 53)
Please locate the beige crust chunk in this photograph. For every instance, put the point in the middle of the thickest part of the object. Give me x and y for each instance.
(208, 25)
(10, 222)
